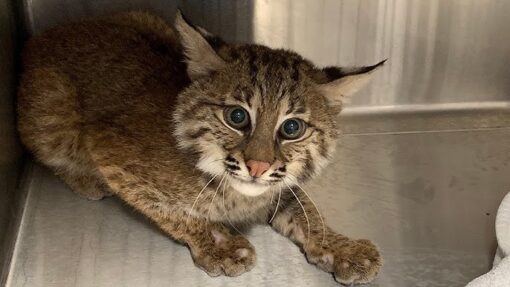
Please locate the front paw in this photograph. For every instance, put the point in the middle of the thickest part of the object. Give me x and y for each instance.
(350, 261)
(224, 255)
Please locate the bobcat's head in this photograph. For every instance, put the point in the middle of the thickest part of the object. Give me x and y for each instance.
(258, 117)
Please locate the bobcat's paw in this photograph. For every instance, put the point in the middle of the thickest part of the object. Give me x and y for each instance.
(225, 254)
(350, 261)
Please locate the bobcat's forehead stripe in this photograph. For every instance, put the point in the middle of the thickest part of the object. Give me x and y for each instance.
(248, 95)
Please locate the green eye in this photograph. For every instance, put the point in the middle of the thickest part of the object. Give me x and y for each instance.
(237, 117)
(292, 129)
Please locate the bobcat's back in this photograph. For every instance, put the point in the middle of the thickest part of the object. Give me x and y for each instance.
(101, 81)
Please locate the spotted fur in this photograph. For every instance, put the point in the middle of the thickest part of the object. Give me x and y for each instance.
(126, 105)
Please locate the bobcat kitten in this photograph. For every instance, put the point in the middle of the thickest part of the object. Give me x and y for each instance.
(195, 133)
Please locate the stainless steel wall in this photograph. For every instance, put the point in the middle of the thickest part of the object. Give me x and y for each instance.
(10, 152)
(440, 51)
(231, 19)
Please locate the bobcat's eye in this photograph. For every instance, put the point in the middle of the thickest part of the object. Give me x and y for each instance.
(292, 129)
(237, 117)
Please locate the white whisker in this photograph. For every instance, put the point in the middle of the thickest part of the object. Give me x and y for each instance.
(225, 210)
(214, 196)
(277, 204)
(318, 212)
(196, 199)
(304, 212)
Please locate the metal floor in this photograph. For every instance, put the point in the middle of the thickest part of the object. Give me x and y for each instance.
(426, 198)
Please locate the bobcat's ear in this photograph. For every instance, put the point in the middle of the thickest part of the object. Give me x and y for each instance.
(336, 83)
(200, 56)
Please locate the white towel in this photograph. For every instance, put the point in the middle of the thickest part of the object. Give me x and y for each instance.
(499, 276)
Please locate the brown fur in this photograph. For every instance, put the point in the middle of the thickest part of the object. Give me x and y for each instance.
(128, 106)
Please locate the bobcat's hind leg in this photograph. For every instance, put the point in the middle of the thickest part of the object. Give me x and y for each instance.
(85, 184)
(50, 126)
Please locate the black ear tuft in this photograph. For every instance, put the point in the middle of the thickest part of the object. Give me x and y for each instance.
(201, 57)
(338, 83)
(213, 40)
(186, 19)
(334, 73)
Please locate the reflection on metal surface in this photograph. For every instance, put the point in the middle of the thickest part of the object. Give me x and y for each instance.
(440, 51)
(10, 151)
(399, 120)
(428, 200)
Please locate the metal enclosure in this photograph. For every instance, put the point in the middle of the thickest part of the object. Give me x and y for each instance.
(439, 51)
(10, 150)
(420, 169)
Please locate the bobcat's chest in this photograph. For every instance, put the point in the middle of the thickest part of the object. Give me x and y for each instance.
(230, 205)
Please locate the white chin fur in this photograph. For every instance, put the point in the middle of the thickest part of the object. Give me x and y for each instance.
(248, 189)
(211, 166)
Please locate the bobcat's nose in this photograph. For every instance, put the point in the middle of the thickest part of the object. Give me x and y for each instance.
(257, 168)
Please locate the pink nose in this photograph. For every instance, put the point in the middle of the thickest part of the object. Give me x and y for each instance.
(257, 168)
